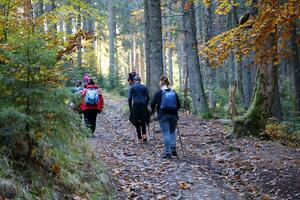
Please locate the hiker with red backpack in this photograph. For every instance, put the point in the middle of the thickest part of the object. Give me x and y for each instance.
(167, 104)
(138, 105)
(91, 105)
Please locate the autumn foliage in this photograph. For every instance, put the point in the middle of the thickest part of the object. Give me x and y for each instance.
(274, 19)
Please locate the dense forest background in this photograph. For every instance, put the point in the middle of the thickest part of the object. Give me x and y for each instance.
(227, 59)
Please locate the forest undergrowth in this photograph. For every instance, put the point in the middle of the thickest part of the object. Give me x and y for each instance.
(58, 168)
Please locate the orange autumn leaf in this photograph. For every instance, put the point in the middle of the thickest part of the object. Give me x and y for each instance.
(56, 168)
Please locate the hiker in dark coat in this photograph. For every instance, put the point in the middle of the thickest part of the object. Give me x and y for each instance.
(138, 101)
(167, 104)
(131, 76)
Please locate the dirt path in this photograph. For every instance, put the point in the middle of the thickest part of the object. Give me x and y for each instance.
(213, 167)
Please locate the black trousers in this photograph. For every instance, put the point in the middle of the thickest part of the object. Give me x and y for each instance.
(140, 128)
(90, 117)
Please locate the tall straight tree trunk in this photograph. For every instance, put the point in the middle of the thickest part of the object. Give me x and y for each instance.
(142, 63)
(200, 105)
(134, 66)
(276, 108)
(147, 42)
(211, 71)
(296, 67)
(185, 75)
(180, 57)
(170, 60)
(247, 82)
(93, 59)
(112, 33)
(156, 48)
(79, 41)
(164, 59)
(170, 50)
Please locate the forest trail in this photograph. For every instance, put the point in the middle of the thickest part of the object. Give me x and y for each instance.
(213, 167)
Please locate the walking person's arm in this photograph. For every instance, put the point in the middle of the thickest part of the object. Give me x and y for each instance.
(130, 97)
(178, 102)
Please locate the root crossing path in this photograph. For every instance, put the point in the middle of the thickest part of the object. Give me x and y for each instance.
(212, 167)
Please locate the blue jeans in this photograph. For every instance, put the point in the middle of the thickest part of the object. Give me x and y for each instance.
(168, 125)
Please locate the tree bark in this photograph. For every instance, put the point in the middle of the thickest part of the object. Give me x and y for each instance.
(142, 63)
(200, 105)
(156, 48)
(170, 50)
(211, 71)
(79, 41)
(247, 82)
(112, 33)
(147, 42)
(296, 67)
(255, 120)
(231, 110)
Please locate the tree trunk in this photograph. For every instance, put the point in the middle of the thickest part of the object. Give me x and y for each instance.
(112, 33)
(276, 107)
(296, 67)
(79, 52)
(170, 50)
(247, 82)
(134, 66)
(231, 110)
(147, 42)
(164, 56)
(156, 54)
(180, 58)
(255, 120)
(211, 72)
(142, 63)
(185, 75)
(200, 105)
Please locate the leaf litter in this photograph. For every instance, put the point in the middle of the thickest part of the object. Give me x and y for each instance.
(214, 166)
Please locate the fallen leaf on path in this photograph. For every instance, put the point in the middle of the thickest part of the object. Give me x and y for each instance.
(184, 186)
(161, 197)
(266, 197)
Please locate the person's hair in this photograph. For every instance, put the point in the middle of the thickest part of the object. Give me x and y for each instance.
(164, 81)
(91, 82)
(137, 78)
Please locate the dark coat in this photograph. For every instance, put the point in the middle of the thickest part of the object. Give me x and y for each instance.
(138, 103)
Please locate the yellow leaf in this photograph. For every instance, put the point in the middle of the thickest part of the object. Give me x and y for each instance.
(184, 186)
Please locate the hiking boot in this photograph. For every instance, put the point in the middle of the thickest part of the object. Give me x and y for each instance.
(145, 138)
(174, 153)
(140, 141)
(167, 156)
